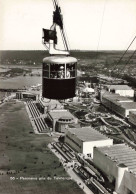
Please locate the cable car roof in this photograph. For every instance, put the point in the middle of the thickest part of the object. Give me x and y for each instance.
(59, 59)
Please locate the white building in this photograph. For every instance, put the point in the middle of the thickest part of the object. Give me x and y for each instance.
(84, 139)
(88, 90)
(122, 90)
(119, 104)
(118, 163)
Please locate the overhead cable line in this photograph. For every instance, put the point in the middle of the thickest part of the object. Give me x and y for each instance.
(100, 30)
(122, 58)
(127, 62)
(124, 54)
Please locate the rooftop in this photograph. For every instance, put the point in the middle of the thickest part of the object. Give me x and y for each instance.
(87, 134)
(119, 87)
(128, 105)
(49, 102)
(121, 154)
(117, 97)
(56, 114)
(109, 78)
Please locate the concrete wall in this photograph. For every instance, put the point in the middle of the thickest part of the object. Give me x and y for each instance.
(107, 166)
(124, 180)
(74, 142)
(88, 147)
(116, 107)
(113, 106)
(132, 118)
(129, 182)
(61, 127)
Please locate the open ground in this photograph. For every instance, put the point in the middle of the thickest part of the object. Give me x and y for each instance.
(24, 154)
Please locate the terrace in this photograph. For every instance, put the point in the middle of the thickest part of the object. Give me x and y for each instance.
(37, 117)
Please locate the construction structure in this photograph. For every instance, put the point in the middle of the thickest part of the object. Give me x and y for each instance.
(118, 163)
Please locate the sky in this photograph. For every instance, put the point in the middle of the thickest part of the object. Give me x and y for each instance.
(89, 24)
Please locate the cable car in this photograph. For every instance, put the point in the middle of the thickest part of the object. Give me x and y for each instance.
(59, 77)
(59, 69)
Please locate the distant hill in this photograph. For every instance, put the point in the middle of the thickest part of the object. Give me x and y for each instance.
(86, 59)
(38, 55)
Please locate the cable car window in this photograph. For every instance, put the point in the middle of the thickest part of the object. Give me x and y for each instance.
(46, 74)
(70, 70)
(57, 71)
(46, 70)
(46, 66)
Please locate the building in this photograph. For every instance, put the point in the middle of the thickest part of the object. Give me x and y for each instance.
(118, 163)
(27, 95)
(132, 117)
(84, 139)
(122, 90)
(110, 80)
(119, 104)
(49, 104)
(63, 123)
(88, 90)
(60, 119)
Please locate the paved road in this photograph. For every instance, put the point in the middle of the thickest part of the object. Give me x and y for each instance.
(71, 173)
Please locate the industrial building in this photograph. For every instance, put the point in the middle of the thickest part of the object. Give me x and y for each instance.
(118, 104)
(27, 95)
(118, 163)
(122, 90)
(61, 119)
(110, 80)
(49, 104)
(84, 139)
(132, 117)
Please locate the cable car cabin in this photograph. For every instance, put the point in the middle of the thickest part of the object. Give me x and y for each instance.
(59, 77)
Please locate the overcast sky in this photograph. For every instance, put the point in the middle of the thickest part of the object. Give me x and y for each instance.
(90, 24)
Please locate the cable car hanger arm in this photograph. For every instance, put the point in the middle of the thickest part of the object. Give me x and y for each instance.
(50, 36)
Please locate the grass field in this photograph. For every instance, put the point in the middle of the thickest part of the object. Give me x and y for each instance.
(27, 154)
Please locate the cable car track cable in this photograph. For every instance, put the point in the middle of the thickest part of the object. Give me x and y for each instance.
(100, 31)
(122, 58)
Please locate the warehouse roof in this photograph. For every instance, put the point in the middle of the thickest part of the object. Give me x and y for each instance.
(56, 114)
(87, 134)
(128, 105)
(116, 97)
(121, 154)
(119, 87)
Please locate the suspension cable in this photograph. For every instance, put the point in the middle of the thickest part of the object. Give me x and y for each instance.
(123, 54)
(127, 62)
(122, 58)
(66, 37)
(100, 31)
